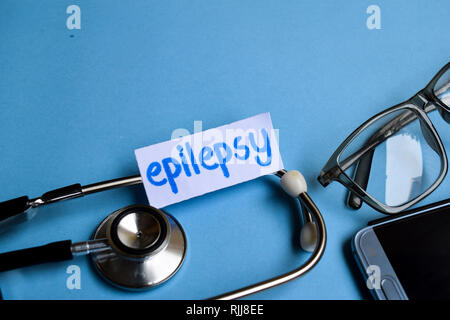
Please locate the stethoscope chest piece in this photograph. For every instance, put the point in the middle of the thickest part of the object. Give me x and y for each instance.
(148, 247)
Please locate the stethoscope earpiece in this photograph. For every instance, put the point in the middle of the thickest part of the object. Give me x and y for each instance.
(294, 184)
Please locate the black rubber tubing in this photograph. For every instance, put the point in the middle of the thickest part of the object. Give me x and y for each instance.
(13, 207)
(52, 252)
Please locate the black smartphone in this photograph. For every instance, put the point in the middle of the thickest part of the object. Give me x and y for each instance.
(408, 256)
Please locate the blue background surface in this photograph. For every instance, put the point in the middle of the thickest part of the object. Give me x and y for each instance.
(74, 104)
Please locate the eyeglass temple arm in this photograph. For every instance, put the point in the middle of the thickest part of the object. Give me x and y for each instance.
(362, 171)
(361, 178)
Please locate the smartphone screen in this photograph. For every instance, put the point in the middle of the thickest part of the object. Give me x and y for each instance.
(418, 248)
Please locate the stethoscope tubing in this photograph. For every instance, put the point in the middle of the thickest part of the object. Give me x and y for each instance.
(76, 190)
(307, 266)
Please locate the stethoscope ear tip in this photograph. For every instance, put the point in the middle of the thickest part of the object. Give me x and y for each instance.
(308, 237)
(293, 183)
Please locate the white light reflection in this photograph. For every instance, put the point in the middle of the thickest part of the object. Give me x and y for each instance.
(404, 169)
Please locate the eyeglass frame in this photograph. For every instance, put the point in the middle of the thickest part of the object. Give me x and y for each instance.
(421, 103)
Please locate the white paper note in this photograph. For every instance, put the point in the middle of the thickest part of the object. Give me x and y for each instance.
(183, 168)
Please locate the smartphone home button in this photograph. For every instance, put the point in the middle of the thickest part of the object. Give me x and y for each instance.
(389, 289)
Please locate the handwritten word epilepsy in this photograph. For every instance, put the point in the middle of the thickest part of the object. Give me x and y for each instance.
(214, 157)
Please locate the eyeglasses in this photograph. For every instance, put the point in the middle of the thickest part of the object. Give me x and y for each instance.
(396, 158)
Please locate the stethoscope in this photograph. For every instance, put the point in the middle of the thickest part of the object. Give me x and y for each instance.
(139, 246)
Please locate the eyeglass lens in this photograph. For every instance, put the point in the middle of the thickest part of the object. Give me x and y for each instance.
(404, 165)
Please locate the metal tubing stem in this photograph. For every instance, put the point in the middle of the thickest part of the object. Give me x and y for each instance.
(111, 184)
(312, 261)
(87, 247)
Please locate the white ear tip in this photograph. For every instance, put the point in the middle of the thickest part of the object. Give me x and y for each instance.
(293, 183)
(308, 237)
